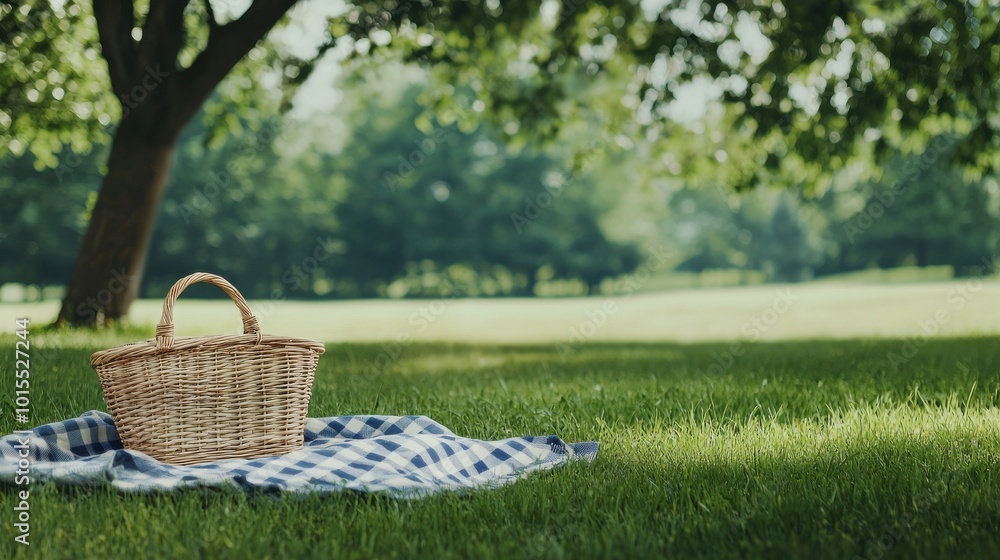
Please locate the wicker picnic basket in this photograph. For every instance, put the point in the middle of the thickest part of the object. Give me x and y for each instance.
(194, 399)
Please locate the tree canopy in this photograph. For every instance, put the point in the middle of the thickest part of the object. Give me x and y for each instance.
(789, 95)
(395, 211)
(810, 80)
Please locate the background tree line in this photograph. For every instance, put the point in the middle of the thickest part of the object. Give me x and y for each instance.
(380, 199)
(801, 91)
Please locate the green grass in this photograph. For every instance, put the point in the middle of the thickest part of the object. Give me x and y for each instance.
(802, 449)
(820, 309)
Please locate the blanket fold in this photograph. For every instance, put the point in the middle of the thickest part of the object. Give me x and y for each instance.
(402, 456)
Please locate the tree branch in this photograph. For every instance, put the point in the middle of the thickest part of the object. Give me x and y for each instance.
(225, 48)
(115, 19)
(162, 34)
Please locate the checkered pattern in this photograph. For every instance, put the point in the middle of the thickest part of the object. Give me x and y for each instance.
(403, 456)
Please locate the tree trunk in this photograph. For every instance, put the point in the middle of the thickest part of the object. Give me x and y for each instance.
(529, 288)
(109, 265)
(922, 252)
(157, 98)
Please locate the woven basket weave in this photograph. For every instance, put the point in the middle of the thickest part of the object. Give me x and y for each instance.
(195, 399)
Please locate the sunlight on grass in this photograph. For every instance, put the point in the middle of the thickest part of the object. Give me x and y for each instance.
(819, 449)
(835, 439)
(826, 309)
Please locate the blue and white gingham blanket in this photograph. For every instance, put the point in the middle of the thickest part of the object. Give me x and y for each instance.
(402, 456)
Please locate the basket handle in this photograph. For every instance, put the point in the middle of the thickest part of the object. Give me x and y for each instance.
(165, 330)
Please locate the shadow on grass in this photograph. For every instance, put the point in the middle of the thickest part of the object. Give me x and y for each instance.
(802, 449)
(898, 497)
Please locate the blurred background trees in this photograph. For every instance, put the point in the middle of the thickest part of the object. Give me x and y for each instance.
(506, 148)
(392, 210)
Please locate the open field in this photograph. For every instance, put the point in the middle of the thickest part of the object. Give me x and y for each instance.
(772, 312)
(869, 446)
(810, 449)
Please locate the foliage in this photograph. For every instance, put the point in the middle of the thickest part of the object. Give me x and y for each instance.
(455, 198)
(918, 211)
(40, 234)
(467, 217)
(421, 213)
(932, 215)
(808, 84)
(57, 103)
(792, 93)
(54, 85)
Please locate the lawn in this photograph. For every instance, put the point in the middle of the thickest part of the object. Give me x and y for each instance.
(812, 449)
(821, 309)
